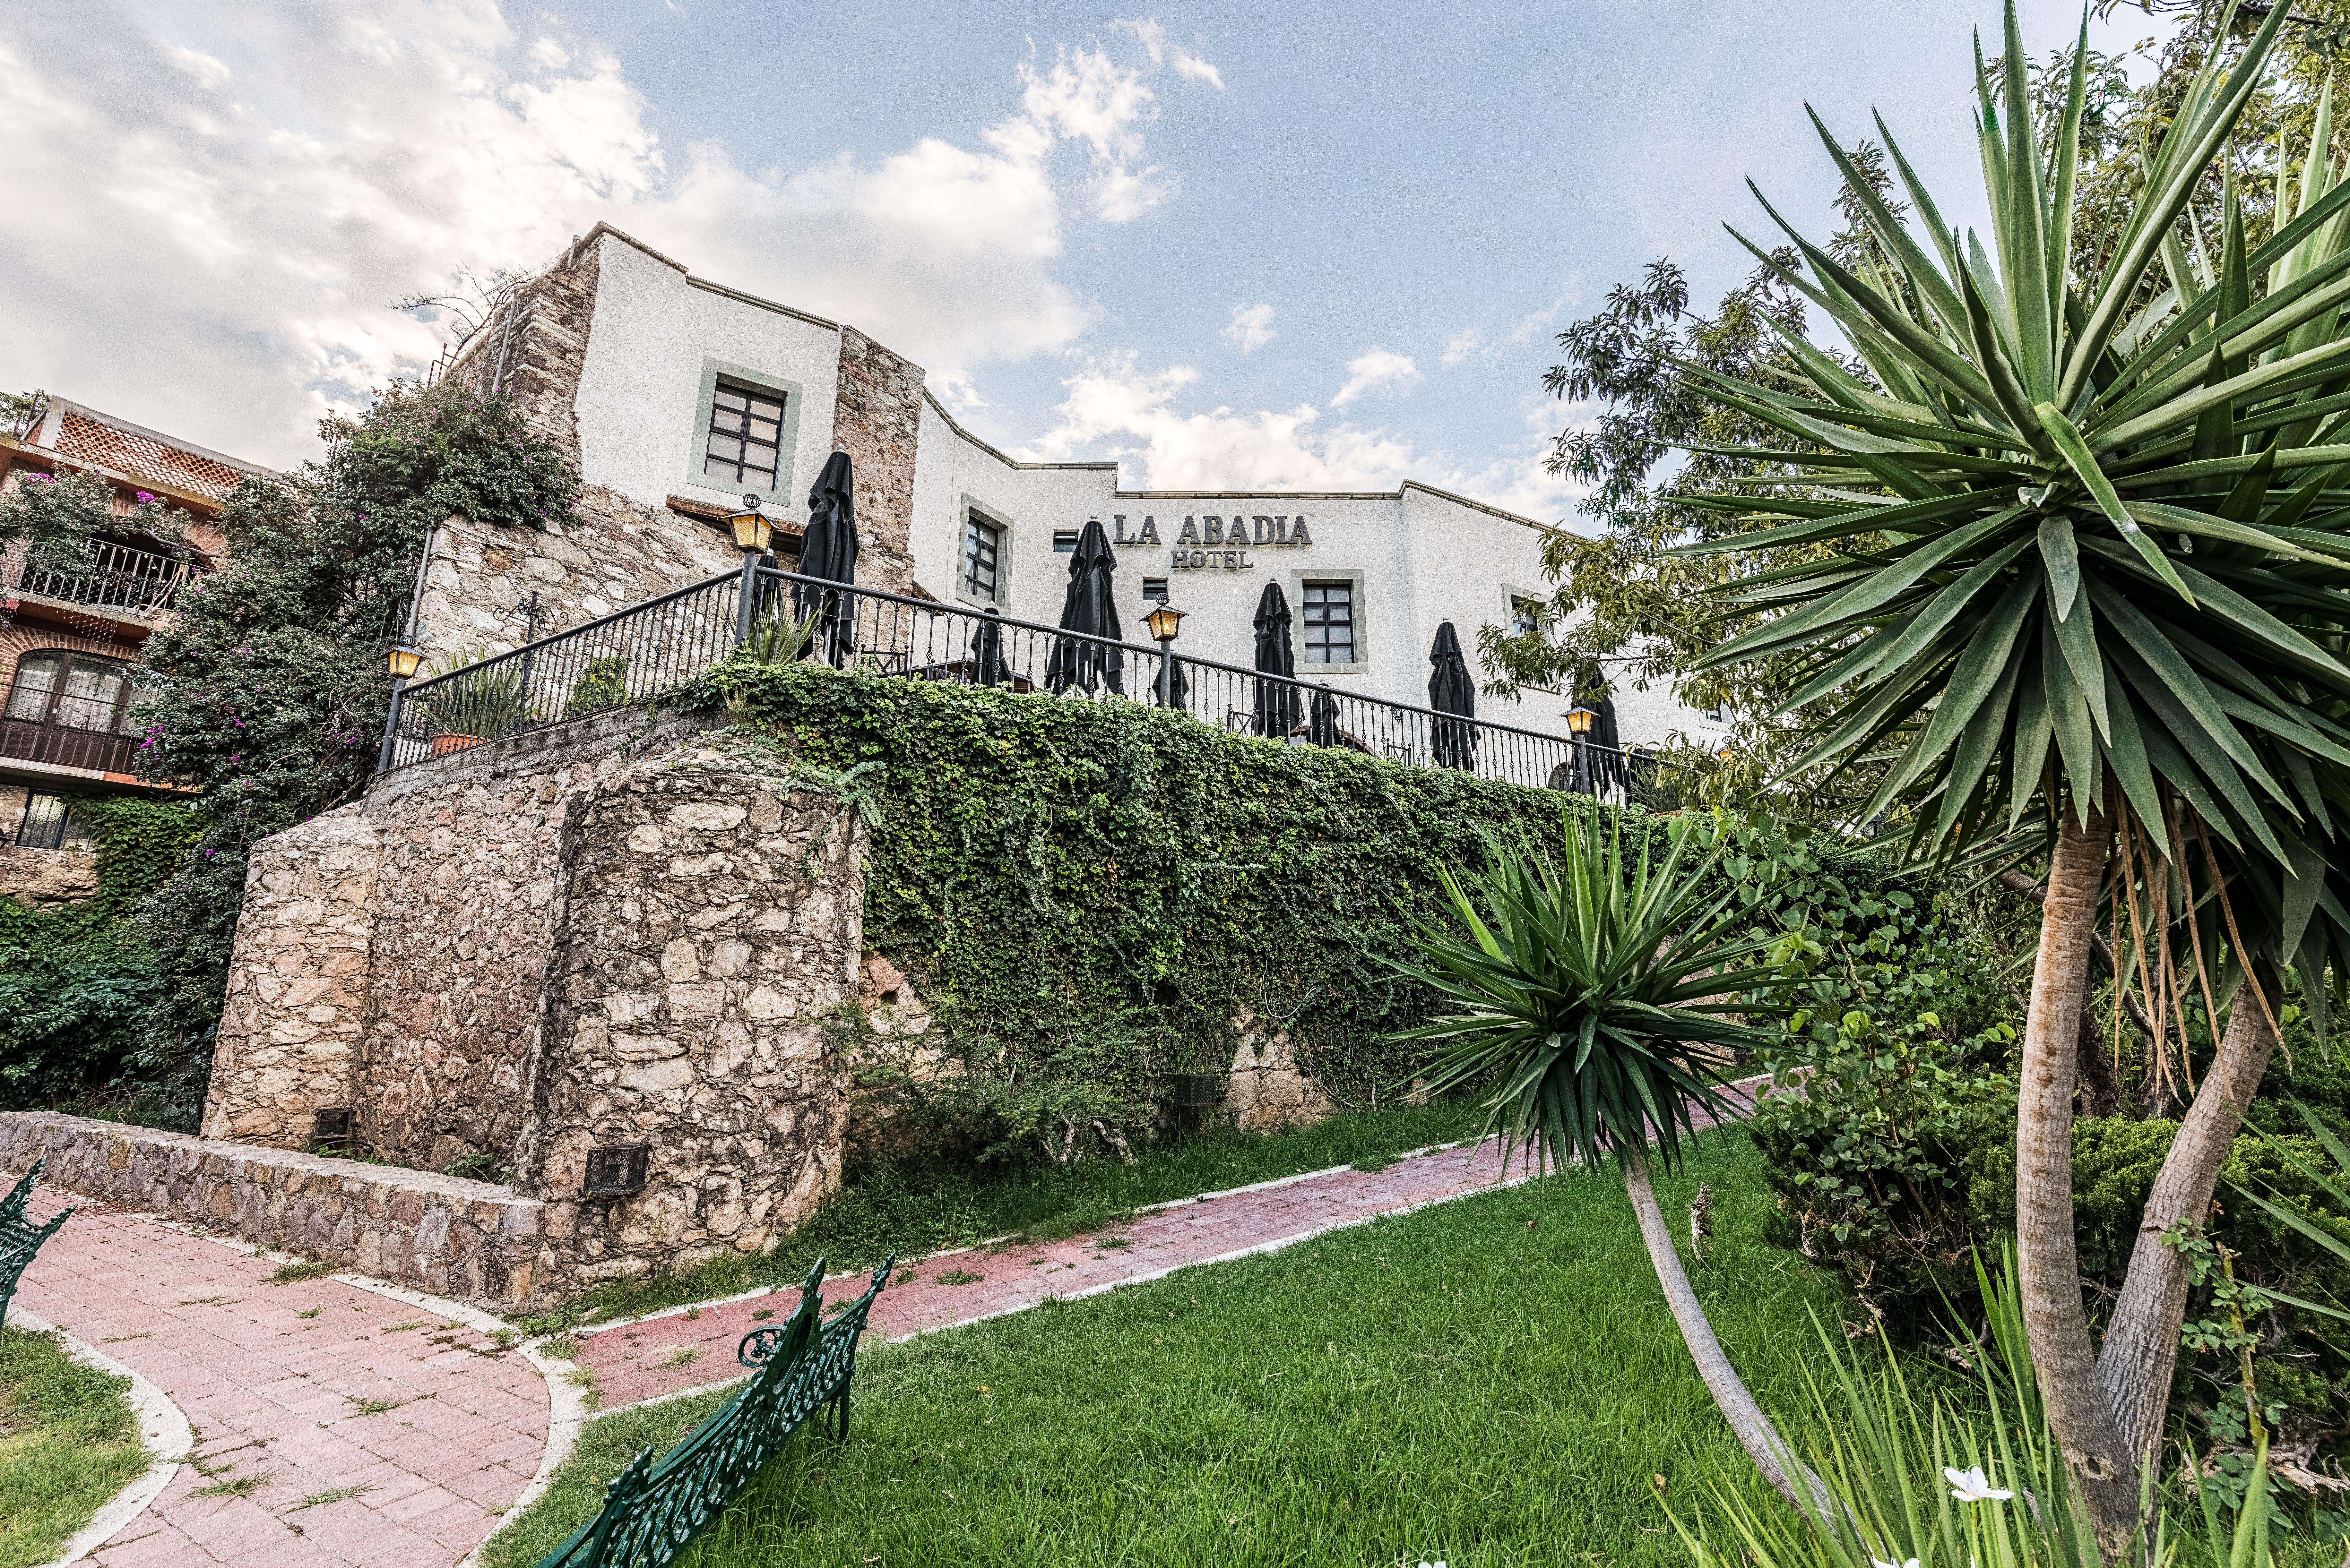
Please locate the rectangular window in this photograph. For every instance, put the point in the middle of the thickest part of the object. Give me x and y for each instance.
(1154, 591)
(745, 442)
(1064, 541)
(1329, 623)
(53, 822)
(1525, 617)
(1717, 714)
(981, 540)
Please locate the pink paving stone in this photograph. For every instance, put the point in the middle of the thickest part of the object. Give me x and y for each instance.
(246, 1369)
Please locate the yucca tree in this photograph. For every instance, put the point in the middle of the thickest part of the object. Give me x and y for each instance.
(2089, 550)
(1594, 993)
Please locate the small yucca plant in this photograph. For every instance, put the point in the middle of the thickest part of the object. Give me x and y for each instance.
(1596, 991)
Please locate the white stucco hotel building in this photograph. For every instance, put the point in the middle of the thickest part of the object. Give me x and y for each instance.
(681, 395)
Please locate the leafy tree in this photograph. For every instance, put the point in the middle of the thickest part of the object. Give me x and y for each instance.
(270, 685)
(57, 520)
(2084, 579)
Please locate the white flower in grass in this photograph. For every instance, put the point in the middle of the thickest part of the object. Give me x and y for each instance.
(1973, 1486)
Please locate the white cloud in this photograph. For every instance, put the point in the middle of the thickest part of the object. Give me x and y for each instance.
(1471, 341)
(1119, 407)
(1251, 327)
(216, 261)
(1191, 68)
(1374, 371)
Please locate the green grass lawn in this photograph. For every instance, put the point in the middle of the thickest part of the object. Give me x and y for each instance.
(68, 1441)
(1457, 1384)
(913, 1209)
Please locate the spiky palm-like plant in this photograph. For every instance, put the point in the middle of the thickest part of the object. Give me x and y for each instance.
(1592, 991)
(2086, 570)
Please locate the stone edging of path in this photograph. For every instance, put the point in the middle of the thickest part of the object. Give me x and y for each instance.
(162, 1426)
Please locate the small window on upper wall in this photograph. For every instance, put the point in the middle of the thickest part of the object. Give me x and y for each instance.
(982, 542)
(1330, 623)
(743, 445)
(1154, 589)
(1064, 541)
(53, 822)
(1525, 616)
(1718, 713)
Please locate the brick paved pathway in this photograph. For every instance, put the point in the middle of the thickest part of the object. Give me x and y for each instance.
(669, 1353)
(406, 1435)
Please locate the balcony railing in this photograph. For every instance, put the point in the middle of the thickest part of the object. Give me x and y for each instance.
(38, 726)
(643, 653)
(118, 576)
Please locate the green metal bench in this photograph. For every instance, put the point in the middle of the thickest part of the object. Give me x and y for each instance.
(19, 1236)
(652, 1511)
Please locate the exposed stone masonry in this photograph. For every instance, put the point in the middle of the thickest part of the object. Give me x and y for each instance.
(439, 1233)
(297, 983)
(710, 919)
(877, 417)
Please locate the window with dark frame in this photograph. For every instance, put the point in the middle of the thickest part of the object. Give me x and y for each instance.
(981, 541)
(1064, 541)
(1154, 591)
(1525, 616)
(53, 822)
(73, 690)
(1329, 622)
(743, 445)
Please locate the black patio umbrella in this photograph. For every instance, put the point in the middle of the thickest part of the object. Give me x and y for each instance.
(1450, 690)
(828, 551)
(1178, 683)
(1092, 609)
(987, 651)
(1277, 705)
(1322, 730)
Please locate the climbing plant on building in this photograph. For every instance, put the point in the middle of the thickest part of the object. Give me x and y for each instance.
(269, 685)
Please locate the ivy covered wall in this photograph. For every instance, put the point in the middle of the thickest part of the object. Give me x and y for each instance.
(1089, 892)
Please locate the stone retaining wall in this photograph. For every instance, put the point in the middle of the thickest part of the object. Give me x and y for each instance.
(297, 982)
(466, 1240)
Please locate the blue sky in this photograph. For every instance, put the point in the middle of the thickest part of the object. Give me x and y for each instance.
(1265, 245)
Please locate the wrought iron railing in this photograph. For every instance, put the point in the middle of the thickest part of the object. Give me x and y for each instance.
(38, 724)
(118, 577)
(642, 653)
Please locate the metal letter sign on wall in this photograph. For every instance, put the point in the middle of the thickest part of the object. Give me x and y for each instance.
(1216, 544)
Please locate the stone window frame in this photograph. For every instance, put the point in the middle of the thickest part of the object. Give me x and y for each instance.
(1004, 534)
(1298, 578)
(786, 447)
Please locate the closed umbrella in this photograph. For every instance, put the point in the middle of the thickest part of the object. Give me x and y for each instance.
(1092, 609)
(987, 651)
(1278, 709)
(829, 552)
(1179, 686)
(1451, 691)
(1323, 729)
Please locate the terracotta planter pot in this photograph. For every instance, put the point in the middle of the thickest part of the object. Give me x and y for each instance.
(444, 745)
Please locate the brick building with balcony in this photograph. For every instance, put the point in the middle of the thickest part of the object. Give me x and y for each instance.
(69, 642)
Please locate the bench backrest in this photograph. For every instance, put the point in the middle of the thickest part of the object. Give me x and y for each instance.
(652, 1511)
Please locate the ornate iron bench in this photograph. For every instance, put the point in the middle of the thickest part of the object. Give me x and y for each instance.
(652, 1511)
(19, 1236)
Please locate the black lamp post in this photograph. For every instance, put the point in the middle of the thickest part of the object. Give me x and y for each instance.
(752, 531)
(1164, 621)
(403, 656)
(1578, 724)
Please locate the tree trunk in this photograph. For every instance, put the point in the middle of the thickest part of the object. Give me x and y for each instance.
(2048, 1263)
(1753, 1429)
(2142, 1343)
